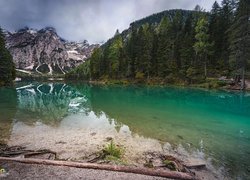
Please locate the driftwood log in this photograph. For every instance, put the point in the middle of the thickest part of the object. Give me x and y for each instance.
(22, 152)
(126, 169)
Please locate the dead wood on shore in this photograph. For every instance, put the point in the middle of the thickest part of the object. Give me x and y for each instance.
(21, 152)
(126, 169)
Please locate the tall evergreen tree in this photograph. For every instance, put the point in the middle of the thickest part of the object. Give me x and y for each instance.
(187, 41)
(177, 42)
(226, 18)
(115, 55)
(202, 45)
(240, 39)
(143, 60)
(7, 67)
(131, 52)
(95, 64)
(165, 48)
(215, 35)
(154, 63)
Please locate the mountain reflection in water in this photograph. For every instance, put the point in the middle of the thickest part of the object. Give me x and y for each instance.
(215, 123)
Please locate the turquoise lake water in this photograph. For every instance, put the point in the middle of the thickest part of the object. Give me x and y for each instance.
(214, 122)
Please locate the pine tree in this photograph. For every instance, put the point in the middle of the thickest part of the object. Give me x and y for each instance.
(165, 48)
(95, 64)
(215, 35)
(132, 49)
(198, 8)
(7, 67)
(202, 45)
(226, 18)
(114, 56)
(143, 60)
(177, 41)
(154, 67)
(240, 39)
(188, 39)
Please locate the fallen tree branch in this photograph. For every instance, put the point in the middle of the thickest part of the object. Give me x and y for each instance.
(39, 152)
(13, 153)
(126, 169)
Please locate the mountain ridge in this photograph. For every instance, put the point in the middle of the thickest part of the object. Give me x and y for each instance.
(44, 51)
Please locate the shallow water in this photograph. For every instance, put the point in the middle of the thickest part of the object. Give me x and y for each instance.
(213, 123)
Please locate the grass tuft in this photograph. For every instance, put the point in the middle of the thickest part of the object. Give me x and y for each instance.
(112, 151)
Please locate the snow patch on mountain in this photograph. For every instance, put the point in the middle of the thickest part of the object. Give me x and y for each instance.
(43, 51)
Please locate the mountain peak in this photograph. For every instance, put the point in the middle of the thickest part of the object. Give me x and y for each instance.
(47, 29)
(43, 51)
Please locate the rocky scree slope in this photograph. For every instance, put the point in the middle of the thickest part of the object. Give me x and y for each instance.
(43, 51)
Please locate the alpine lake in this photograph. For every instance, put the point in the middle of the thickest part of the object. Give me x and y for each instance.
(76, 119)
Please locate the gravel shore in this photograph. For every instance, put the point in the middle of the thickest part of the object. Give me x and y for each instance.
(16, 170)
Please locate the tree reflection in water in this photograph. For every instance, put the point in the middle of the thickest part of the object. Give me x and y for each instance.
(8, 107)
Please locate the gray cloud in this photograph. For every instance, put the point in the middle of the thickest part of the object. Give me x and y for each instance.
(94, 20)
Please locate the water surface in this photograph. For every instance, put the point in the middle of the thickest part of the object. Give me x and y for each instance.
(214, 123)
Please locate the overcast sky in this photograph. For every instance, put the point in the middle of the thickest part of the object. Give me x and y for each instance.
(94, 20)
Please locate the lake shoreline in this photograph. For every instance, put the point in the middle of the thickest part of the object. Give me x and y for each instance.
(197, 170)
(134, 83)
(209, 83)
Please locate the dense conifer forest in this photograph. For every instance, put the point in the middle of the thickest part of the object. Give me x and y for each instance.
(176, 46)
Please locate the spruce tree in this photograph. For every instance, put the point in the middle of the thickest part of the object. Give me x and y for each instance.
(143, 60)
(95, 64)
(240, 40)
(216, 36)
(186, 51)
(154, 67)
(132, 50)
(177, 27)
(226, 18)
(115, 55)
(165, 48)
(202, 45)
(7, 67)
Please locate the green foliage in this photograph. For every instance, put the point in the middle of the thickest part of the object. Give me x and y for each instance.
(114, 56)
(112, 151)
(139, 75)
(170, 165)
(240, 38)
(7, 67)
(176, 46)
(211, 83)
(82, 72)
(202, 45)
(165, 45)
(95, 64)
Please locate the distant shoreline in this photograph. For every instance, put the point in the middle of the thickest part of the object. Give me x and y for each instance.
(210, 83)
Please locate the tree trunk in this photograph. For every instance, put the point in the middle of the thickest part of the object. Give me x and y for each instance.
(205, 70)
(243, 79)
(205, 67)
(126, 169)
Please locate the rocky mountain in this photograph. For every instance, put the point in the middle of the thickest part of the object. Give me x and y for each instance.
(43, 51)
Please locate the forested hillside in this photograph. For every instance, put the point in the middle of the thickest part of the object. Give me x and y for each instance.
(176, 46)
(7, 67)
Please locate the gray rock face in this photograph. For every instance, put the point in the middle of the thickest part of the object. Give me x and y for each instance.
(44, 51)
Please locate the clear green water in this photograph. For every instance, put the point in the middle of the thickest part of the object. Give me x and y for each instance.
(214, 122)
